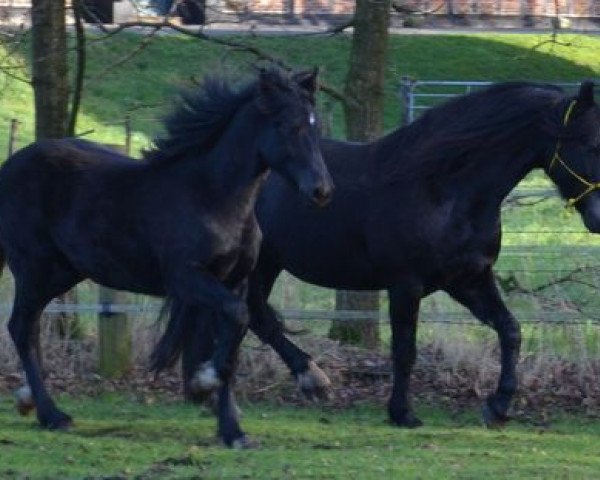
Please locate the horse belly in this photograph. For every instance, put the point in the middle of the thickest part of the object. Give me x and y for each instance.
(333, 265)
(117, 261)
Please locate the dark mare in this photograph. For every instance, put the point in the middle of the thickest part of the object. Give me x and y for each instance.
(419, 211)
(180, 223)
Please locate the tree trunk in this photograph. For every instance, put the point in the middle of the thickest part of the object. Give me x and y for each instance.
(51, 92)
(363, 110)
(50, 74)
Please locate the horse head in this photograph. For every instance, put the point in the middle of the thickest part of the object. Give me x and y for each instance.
(290, 144)
(575, 163)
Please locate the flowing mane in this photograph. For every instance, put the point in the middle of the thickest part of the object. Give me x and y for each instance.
(444, 138)
(202, 116)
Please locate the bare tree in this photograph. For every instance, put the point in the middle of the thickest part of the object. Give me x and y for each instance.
(363, 108)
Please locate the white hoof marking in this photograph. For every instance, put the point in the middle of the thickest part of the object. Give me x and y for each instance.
(314, 381)
(206, 377)
(24, 400)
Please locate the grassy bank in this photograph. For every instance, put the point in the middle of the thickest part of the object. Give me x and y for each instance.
(145, 84)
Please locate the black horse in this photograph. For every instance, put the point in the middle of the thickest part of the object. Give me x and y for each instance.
(179, 223)
(419, 211)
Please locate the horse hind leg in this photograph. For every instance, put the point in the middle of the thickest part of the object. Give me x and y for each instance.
(22, 322)
(482, 298)
(23, 397)
(265, 323)
(23, 327)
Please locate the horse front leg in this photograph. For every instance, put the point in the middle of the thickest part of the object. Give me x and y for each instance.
(223, 403)
(403, 310)
(198, 348)
(481, 296)
(203, 304)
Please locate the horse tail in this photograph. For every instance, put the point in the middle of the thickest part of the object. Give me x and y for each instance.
(168, 349)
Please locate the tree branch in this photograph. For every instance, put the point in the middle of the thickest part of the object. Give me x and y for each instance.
(201, 35)
(139, 48)
(80, 68)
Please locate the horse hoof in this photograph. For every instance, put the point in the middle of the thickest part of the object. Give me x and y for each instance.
(24, 400)
(493, 419)
(244, 443)
(314, 382)
(205, 379)
(59, 421)
(407, 420)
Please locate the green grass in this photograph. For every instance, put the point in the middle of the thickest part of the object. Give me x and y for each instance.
(118, 438)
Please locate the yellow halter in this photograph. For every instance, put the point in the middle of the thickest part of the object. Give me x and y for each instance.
(591, 186)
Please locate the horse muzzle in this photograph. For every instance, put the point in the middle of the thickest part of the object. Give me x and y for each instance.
(321, 194)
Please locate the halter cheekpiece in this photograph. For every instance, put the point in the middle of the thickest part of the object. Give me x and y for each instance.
(591, 186)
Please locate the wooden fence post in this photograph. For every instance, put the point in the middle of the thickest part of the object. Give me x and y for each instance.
(114, 329)
(12, 138)
(114, 332)
(127, 124)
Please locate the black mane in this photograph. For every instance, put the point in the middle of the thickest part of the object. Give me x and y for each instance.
(201, 116)
(442, 138)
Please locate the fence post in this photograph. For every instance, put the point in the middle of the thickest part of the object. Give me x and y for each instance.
(327, 119)
(406, 91)
(114, 329)
(127, 135)
(12, 138)
(114, 335)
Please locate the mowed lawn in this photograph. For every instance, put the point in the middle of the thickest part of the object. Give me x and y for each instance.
(116, 437)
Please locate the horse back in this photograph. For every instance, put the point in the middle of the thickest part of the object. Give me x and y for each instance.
(52, 169)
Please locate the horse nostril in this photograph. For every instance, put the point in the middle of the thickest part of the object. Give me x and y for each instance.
(322, 195)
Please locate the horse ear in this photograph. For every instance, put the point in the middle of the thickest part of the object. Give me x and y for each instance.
(586, 93)
(307, 80)
(269, 84)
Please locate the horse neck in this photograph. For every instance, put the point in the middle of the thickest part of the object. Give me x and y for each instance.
(489, 175)
(234, 168)
(490, 178)
(499, 178)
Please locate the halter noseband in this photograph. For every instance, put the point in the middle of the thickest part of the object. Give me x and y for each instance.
(591, 186)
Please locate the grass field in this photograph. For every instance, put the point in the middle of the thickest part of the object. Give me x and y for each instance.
(119, 437)
(116, 437)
